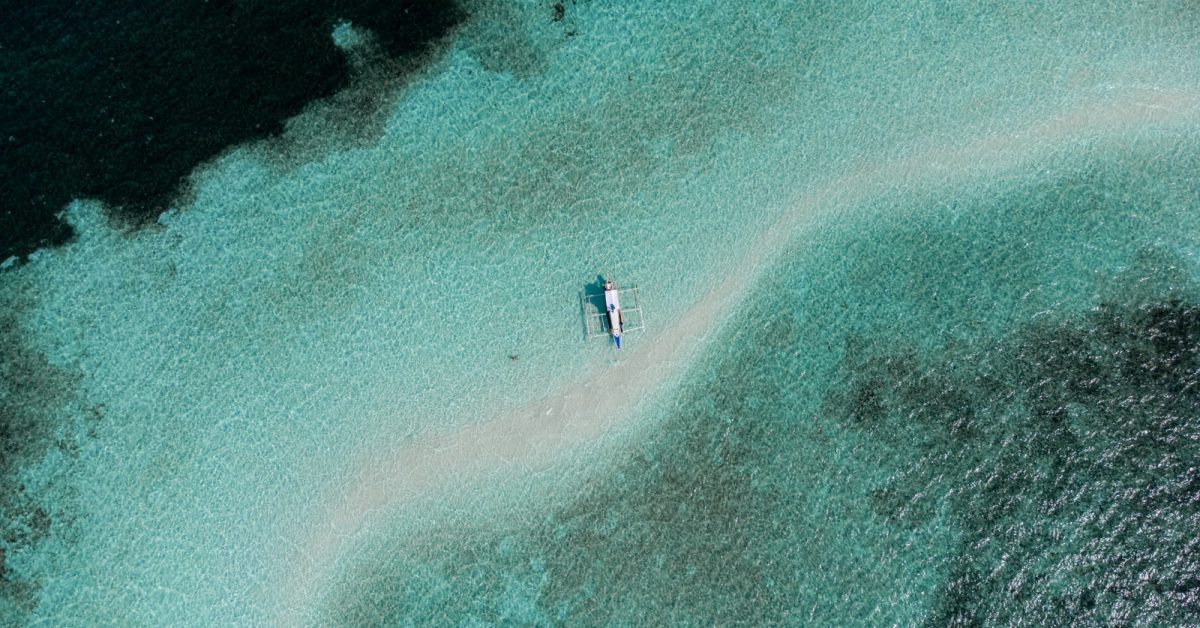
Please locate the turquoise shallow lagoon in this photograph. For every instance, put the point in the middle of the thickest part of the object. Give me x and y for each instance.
(923, 325)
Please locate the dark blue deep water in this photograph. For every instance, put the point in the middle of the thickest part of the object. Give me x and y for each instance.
(289, 313)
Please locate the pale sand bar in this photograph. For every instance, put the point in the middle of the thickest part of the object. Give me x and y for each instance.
(534, 437)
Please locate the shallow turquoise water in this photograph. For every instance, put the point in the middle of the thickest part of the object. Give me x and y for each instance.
(881, 441)
(950, 375)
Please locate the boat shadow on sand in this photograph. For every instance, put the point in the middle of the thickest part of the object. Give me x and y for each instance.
(591, 302)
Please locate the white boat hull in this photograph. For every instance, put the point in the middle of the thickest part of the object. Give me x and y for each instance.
(612, 303)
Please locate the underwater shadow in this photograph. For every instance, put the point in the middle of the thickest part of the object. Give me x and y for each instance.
(592, 296)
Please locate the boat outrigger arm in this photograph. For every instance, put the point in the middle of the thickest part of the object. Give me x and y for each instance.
(614, 319)
(612, 303)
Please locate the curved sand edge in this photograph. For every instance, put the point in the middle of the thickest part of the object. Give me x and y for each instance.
(535, 436)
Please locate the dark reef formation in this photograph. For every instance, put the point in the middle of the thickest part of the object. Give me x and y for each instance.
(31, 388)
(120, 101)
(1068, 453)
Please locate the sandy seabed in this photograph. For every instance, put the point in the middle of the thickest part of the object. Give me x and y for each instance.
(533, 438)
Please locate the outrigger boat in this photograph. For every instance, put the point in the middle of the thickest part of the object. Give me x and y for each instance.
(614, 320)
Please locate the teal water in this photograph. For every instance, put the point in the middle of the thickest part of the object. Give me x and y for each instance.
(874, 443)
(922, 294)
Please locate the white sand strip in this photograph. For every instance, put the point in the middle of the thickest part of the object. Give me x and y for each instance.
(534, 437)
